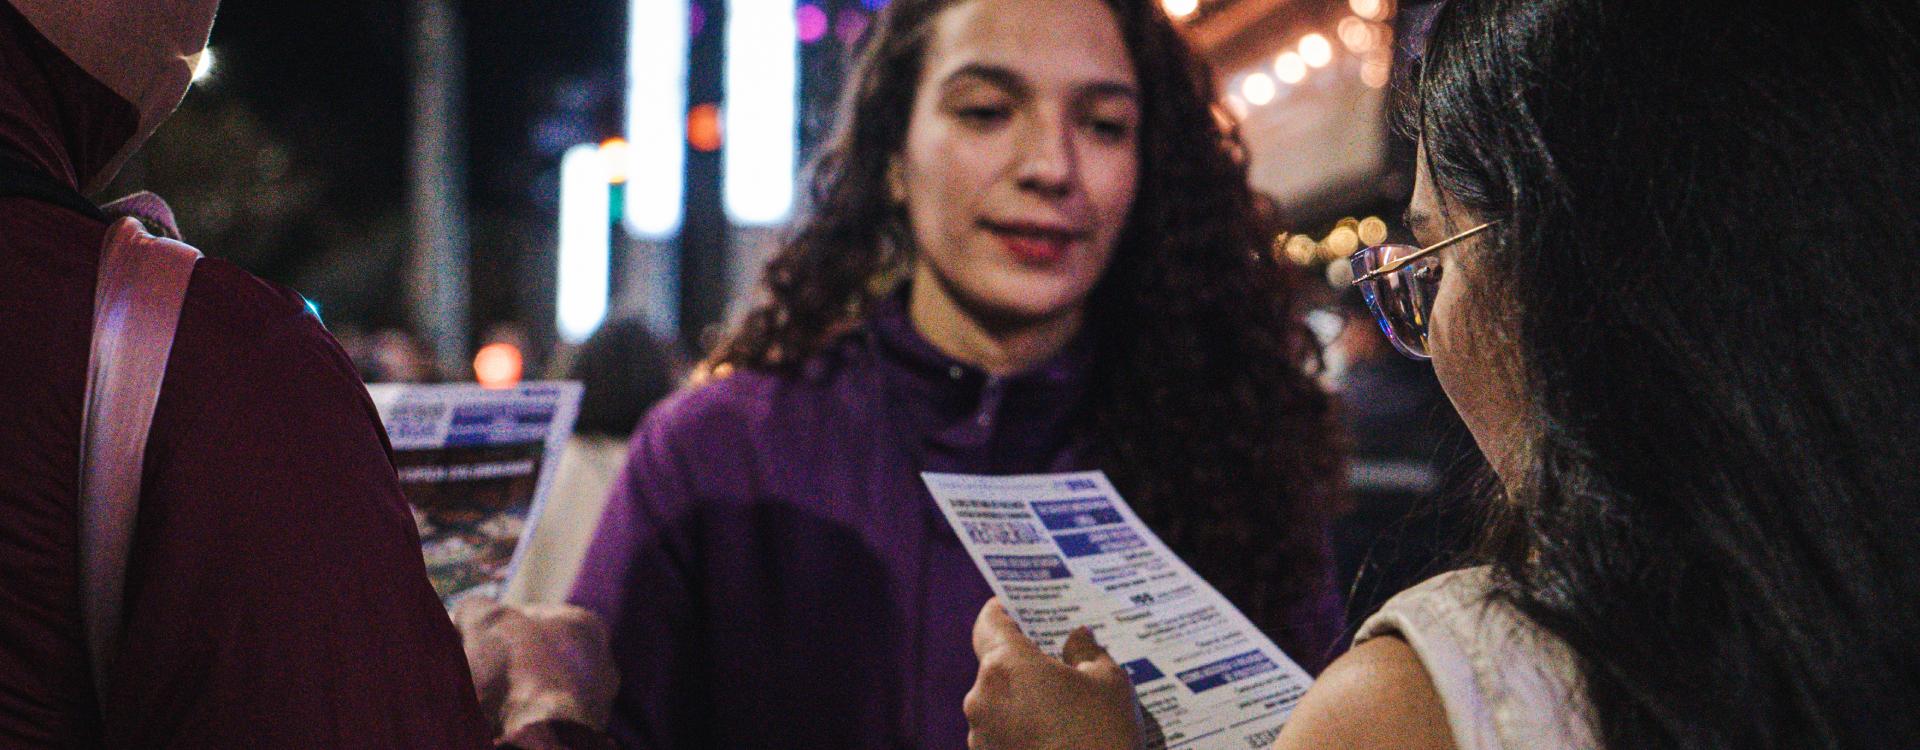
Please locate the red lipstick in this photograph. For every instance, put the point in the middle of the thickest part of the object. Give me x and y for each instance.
(1036, 244)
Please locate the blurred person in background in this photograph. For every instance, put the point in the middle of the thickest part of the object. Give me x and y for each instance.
(1028, 248)
(624, 370)
(274, 595)
(1681, 339)
(389, 355)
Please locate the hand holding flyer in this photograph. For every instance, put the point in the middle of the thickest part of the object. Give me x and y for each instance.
(475, 464)
(1064, 551)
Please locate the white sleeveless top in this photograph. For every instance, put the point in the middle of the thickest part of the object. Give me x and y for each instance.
(1505, 683)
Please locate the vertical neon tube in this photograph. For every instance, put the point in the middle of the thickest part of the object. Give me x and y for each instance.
(761, 111)
(585, 242)
(656, 117)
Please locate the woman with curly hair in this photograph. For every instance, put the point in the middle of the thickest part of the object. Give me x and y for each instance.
(1029, 247)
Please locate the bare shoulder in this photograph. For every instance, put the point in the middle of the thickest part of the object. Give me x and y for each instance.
(1377, 696)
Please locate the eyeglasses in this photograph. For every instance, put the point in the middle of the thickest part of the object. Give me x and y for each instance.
(1399, 283)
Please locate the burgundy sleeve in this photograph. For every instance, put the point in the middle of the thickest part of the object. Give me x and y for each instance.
(276, 595)
(637, 577)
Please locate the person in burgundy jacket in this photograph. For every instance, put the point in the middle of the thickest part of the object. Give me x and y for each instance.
(275, 595)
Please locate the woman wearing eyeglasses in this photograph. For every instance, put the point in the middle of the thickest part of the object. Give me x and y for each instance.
(1669, 294)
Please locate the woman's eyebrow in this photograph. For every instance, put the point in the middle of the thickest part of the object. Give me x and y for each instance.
(1014, 83)
(993, 75)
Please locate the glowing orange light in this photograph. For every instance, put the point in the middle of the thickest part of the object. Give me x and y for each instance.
(703, 128)
(1372, 10)
(498, 365)
(613, 153)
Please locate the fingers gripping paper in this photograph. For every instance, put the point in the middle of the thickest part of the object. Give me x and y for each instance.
(475, 464)
(1064, 550)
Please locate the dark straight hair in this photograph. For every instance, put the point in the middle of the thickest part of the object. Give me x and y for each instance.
(1708, 245)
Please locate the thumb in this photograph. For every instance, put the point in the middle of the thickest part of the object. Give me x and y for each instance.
(1081, 649)
(995, 630)
(473, 613)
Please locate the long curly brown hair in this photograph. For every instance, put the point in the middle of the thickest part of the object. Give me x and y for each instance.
(1202, 408)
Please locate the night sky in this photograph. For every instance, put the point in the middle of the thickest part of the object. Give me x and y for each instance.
(328, 84)
(333, 77)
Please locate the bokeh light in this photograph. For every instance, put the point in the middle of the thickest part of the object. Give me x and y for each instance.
(1302, 249)
(1316, 50)
(498, 365)
(1258, 88)
(811, 22)
(1341, 242)
(1356, 34)
(617, 156)
(1376, 69)
(1373, 231)
(703, 128)
(1290, 67)
(1180, 8)
(1372, 10)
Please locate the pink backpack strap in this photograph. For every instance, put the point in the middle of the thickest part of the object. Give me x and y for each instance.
(136, 308)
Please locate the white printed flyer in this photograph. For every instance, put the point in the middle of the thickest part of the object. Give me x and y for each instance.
(1064, 550)
(475, 464)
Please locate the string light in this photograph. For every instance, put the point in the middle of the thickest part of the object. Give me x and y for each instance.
(1341, 242)
(1356, 34)
(1302, 249)
(1376, 69)
(1373, 231)
(1258, 88)
(1290, 67)
(1371, 41)
(1372, 10)
(1316, 50)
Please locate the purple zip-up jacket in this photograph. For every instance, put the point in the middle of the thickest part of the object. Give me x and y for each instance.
(776, 575)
